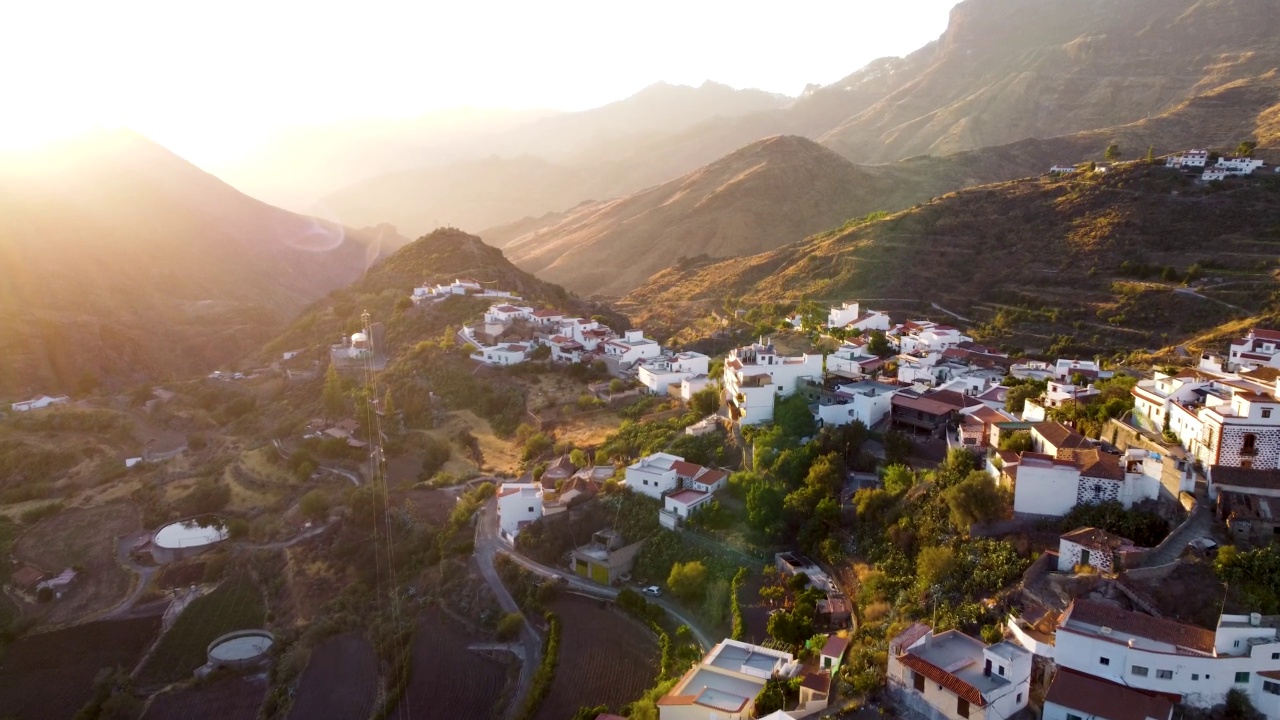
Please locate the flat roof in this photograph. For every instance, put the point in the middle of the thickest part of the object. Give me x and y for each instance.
(961, 656)
(733, 657)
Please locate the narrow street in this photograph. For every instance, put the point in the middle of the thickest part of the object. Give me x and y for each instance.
(487, 546)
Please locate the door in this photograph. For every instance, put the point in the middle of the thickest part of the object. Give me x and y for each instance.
(1084, 557)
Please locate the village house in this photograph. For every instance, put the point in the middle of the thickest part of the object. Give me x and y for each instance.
(951, 676)
(725, 683)
(692, 385)
(577, 489)
(848, 316)
(1229, 423)
(916, 336)
(1248, 501)
(661, 372)
(1093, 548)
(518, 505)
(1258, 348)
(1076, 696)
(1051, 485)
(606, 558)
(565, 349)
(1215, 173)
(507, 313)
(979, 427)
(39, 403)
(853, 360)
(1188, 159)
(1062, 169)
(835, 403)
(756, 375)
(631, 348)
(511, 354)
(1151, 654)
(661, 473)
(1237, 165)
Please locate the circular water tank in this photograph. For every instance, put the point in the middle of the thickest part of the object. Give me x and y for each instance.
(240, 648)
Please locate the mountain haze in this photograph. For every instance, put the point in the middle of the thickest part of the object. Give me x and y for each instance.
(123, 262)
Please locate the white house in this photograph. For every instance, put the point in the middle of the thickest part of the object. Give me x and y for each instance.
(1049, 485)
(1064, 369)
(507, 313)
(39, 403)
(683, 503)
(755, 375)
(1258, 348)
(1238, 165)
(1058, 393)
(659, 373)
(632, 347)
(1188, 159)
(849, 316)
(1230, 425)
(922, 336)
(725, 683)
(1062, 169)
(1076, 696)
(502, 354)
(1091, 547)
(693, 385)
(547, 318)
(565, 349)
(1153, 654)
(1213, 173)
(661, 473)
(518, 505)
(953, 676)
(853, 360)
(866, 401)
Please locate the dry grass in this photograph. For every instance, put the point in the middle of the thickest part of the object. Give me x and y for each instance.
(500, 455)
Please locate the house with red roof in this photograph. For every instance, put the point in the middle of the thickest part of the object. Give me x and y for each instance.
(1076, 695)
(957, 677)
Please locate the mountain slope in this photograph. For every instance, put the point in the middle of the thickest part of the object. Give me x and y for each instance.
(1036, 68)
(123, 262)
(740, 204)
(1040, 257)
(778, 190)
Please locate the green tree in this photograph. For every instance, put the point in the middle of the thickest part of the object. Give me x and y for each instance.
(688, 581)
(388, 407)
(509, 626)
(1246, 148)
(1112, 153)
(1015, 400)
(976, 499)
(1018, 441)
(764, 508)
(897, 447)
(335, 399)
(1151, 155)
(898, 479)
(813, 316)
(435, 453)
(935, 565)
(705, 402)
(792, 415)
(314, 505)
(578, 458)
(879, 345)
(616, 386)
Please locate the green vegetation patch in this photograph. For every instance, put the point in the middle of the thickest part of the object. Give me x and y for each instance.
(235, 605)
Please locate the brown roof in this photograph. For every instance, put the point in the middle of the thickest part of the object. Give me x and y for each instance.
(1101, 699)
(835, 646)
(988, 415)
(953, 398)
(26, 576)
(1094, 463)
(1097, 539)
(943, 678)
(548, 313)
(922, 404)
(1256, 478)
(903, 640)
(686, 469)
(1266, 334)
(1262, 373)
(817, 681)
(1093, 612)
(1059, 435)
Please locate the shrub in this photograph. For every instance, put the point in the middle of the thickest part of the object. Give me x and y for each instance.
(546, 672)
(509, 626)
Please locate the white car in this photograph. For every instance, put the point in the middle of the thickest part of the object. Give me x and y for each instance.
(652, 591)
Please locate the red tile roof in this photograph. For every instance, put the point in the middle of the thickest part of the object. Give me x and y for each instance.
(943, 678)
(1093, 612)
(1266, 334)
(687, 497)
(1253, 478)
(922, 404)
(686, 469)
(1059, 435)
(1094, 463)
(835, 646)
(1096, 539)
(1101, 699)
(817, 682)
(548, 313)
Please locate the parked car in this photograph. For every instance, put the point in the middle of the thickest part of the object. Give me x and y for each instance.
(652, 591)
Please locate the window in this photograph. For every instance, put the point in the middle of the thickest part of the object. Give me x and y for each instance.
(1266, 412)
(1195, 676)
(1236, 644)
(1164, 674)
(1019, 699)
(1139, 671)
(1000, 669)
(530, 508)
(919, 682)
(1073, 717)
(1241, 677)
(1275, 656)
(962, 707)
(1104, 661)
(1270, 687)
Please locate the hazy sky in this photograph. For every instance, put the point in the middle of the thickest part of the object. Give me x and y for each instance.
(211, 79)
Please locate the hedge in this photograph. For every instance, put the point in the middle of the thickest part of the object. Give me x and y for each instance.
(546, 672)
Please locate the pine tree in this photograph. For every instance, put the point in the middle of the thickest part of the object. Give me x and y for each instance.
(1112, 153)
(334, 398)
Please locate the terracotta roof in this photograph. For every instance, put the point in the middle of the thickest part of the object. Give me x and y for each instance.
(711, 477)
(548, 313)
(904, 639)
(1009, 457)
(988, 415)
(1256, 478)
(1266, 334)
(1101, 699)
(1255, 397)
(1263, 374)
(1059, 435)
(1093, 612)
(943, 678)
(835, 646)
(677, 699)
(686, 469)
(1273, 674)
(26, 576)
(952, 398)
(1094, 463)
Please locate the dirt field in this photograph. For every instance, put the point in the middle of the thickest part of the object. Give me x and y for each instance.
(500, 455)
(84, 537)
(235, 698)
(605, 658)
(755, 612)
(340, 682)
(50, 676)
(442, 663)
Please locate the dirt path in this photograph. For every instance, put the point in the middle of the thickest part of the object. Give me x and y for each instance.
(142, 574)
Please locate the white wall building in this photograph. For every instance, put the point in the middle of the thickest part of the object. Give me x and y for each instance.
(660, 473)
(951, 676)
(1076, 696)
(1048, 485)
(1188, 159)
(1238, 165)
(849, 316)
(725, 683)
(507, 313)
(518, 505)
(658, 373)
(632, 347)
(866, 401)
(502, 354)
(755, 375)
(1158, 655)
(1260, 348)
(39, 403)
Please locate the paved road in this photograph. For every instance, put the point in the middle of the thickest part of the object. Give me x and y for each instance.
(1193, 293)
(487, 546)
(577, 583)
(282, 544)
(144, 573)
(1199, 526)
(939, 308)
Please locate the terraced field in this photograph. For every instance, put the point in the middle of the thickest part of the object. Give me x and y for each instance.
(475, 683)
